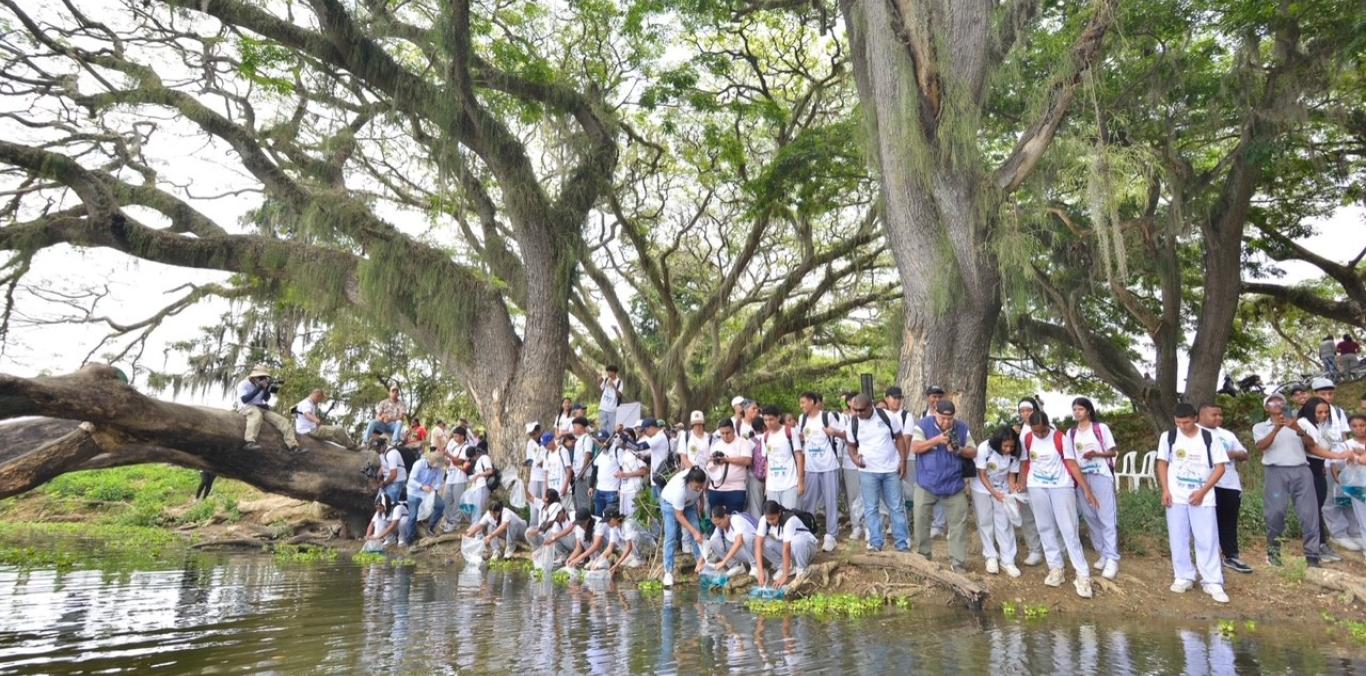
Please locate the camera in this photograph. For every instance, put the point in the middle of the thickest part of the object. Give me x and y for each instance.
(718, 456)
(749, 434)
(275, 385)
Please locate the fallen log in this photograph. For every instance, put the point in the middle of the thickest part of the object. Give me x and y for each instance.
(970, 592)
(438, 540)
(816, 576)
(231, 543)
(1338, 581)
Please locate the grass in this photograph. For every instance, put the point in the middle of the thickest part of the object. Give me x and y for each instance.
(651, 587)
(824, 606)
(72, 545)
(148, 496)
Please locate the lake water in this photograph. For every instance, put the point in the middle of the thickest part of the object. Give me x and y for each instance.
(249, 614)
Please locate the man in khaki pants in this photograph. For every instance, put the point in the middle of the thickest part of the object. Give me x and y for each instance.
(253, 402)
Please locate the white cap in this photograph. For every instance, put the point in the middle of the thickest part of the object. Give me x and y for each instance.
(737, 401)
(1322, 384)
(697, 418)
(531, 426)
(1273, 396)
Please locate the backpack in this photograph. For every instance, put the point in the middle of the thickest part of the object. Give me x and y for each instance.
(825, 422)
(1099, 431)
(1029, 440)
(807, 518)
(760, 456)
(853, 425)
(410, 454)
(1204, 434)
(666, 469)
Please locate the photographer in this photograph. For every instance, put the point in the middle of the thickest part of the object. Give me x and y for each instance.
(728, 469)
(310, 421)
(939, 441)
(253, 402)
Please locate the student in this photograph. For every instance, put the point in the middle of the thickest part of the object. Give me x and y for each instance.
(559, 466)
(564, 420)
(1317, 433)
(611, 386)
(849, 472)
(1228, 493)
(607, 486)
(590, 539)
(678, 510)
(1338, 525)
(538, 505)
(634, 474)
(502, 529)
(728, 469)
(393, 473)
(695, 444)
(749, 427)
(1052, 475)
(1328, 354)
(998, 463)
(534, 456)
(1287, 480)
(426, 482)
(578, 441)
(941, 443)
(1357, 447)
(477, 497)
(625, 539)
(457, 476)
(893, 401)
(1189, 464)
(785, 481)
(1093, 445)
(822, 464)
(785, 541)
(1025, 408)
(657, 441)
(731, 545)
(555, 531)
(874, 445)
(389, 520)
(1348, 350)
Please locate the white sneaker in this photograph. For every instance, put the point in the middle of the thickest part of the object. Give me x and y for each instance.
(1216, 592)
(1182, 586)
(1034, 559)
(993, 567)
(735, 571)
(829, 543)
(1055, 578)
(1083, 587)
(869, 546)
(668, 579)
(936, 533)
(754, 572)
(1011, 570)
(1111, 569)
(1099, 564)
(1346, 543)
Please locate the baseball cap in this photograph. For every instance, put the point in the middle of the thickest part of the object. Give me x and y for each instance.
(547, 438)
(697, 418)
(737, 401)
(894, 392)
(1274, 396)
(1297, 388)
(650, 422)
(1323, 384)
(531, 426)
(933, 389)
(578, 407)
(945, 407)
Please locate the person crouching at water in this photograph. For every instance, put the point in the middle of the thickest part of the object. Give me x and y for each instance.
(590, 539)
(389, 520)
(1053, 473)
(998, 465)
(555, 531)
(626, 540)
(785, 541)
(731, 545)
(502, 529)
(1189, 464)
(678, 510)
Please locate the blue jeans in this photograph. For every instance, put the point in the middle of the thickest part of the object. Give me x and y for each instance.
(413, 504)
(673, 532)
(389, 429)
(734, 500)
(604, 500)
(884, 486)
(394, 491)
(607, 420)
(1330, 366)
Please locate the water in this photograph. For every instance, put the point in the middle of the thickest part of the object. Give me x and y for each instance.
(248, 614)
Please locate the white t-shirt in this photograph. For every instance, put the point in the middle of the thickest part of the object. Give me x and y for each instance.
(583, 454)
(581, 534)
(611, 394)
(509, 516)
(730, 477)
(1047, 468)
(483, 464)
(1337, 430)
(455, 475)
(740, 527)
(380, 522)
(302, 425)
(557, 465)
(659, 450)
(819, 449)
(607, 465)
(678, 494)
(1189, 465)
(1082, 441)
(620, 535)
(782, 460)
(535, 455)
(1285, 451)
(789, 530)
(998, 467)
(247, 387)
(698, 449)
(393, 459)
(630, 462)
(564, 423)
(1230, 442)
(876, 443)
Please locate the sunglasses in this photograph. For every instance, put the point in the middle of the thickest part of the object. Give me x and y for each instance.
(858, 410)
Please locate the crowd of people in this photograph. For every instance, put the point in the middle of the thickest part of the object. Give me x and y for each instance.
(762, 491)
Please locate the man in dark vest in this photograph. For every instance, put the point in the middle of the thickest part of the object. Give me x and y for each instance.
(940, 443)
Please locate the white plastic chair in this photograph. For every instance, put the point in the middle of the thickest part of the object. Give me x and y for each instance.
(1149, 471)
(1128, 469)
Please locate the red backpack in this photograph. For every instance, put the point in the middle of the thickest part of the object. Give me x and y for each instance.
(1099, 431)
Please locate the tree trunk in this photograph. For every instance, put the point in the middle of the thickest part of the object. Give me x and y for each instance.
(91, 420)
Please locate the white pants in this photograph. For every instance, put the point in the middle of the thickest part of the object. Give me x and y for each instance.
(515, 534)
(754, 496)
(788, 498)
(1055, 513)
(853, 493)
(822, 495)
(1029, 529)
(1338, 522)
(1102, 525)
(717, 546)
(803, 548)
(994, 528)
(1185, 522)
(1359, 512)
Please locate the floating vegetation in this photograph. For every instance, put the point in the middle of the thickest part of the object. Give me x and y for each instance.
(822, 605)
(1017, 610)
(510, 565)
(35, 557)
(1228, 628)
(304, 554)
(561, 578)
(651, 587)
(369, 559)
(65, 546)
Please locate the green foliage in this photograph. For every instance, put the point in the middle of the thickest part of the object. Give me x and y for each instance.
(821, 606)
(651, 587)
(82, 545)
(510, 565)
(141, 495)
(261, 57)
(285, 554)
(369, 559)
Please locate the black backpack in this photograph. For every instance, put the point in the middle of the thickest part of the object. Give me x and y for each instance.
(667, 469)
(410, 454)
(825, 422)
(1204, 434)
(853, 425)
(807, 518)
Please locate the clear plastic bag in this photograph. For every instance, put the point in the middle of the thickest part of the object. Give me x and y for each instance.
(1353, 481)
(1012, 507)
(473, 549)
(426, 507)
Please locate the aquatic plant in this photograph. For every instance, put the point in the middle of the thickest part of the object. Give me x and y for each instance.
(510, 565)
(651, 587)
(820, 605)
(1036, 612)
(304, 554)
(1009, 609)
(560, 578)
(81, 545)
(1228, 628)
(369, 559)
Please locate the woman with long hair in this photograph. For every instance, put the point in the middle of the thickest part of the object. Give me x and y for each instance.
(1052, 477)
(1093, 445)
(998, 460)
(1028, 528)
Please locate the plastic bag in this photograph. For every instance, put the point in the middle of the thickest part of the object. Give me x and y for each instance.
(516, 493)
(768, 593)
(473, 549)
(1012, 507)
(543, 558)
(426, 507)
(1353, 481)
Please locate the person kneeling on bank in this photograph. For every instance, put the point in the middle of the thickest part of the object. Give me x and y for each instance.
(784, 541)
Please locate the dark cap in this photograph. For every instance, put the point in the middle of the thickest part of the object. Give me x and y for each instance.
(933, 389)
(945, 407)
(650, 422)
(895, 392)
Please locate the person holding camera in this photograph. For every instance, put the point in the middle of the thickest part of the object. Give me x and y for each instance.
(728, 469)
(253, 402)
(940, 443)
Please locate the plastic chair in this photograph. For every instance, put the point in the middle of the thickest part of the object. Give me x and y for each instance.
(1128, 469)
(1149, 471)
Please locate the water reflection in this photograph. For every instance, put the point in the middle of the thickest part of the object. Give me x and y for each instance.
(248, 614)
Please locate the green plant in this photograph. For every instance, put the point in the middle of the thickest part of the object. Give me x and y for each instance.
(1228, 628)
(1294, 570)
(560, 578)
(651, 587)
(1010, 609)
(510, 565)
(369, 559)
(1036, 612)
(819, 605)
(281, 529)
(304, 554)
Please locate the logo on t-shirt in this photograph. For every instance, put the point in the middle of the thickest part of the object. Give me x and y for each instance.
(991, 466)
(1033, 455)
(1180, 454)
